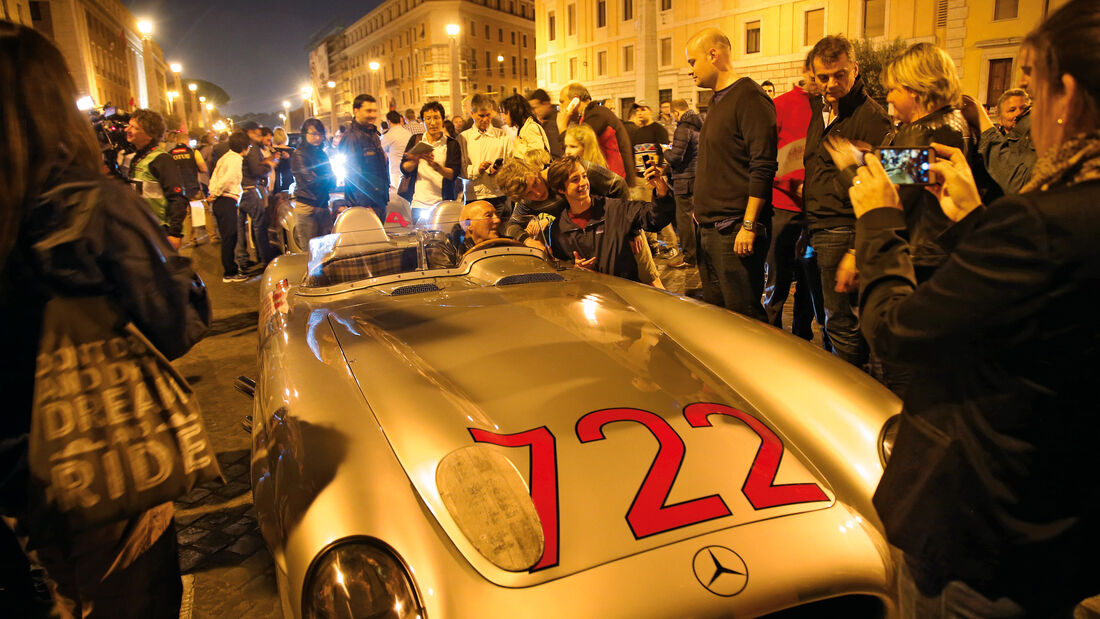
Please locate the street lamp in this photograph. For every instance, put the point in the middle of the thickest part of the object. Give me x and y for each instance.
(307, 97)
(376, 82)
(456, 86)
(145, 27)
(193, 87)
(176, 67)
(331, 105)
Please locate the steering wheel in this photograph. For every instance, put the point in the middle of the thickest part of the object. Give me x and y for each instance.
(497, 242)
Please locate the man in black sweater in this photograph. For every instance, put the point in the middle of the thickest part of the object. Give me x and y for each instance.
(846, 111)
(734, 173)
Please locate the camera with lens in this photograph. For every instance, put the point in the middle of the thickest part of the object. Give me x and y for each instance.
(110, 131)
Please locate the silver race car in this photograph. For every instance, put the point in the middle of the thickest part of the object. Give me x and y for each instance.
(447, 430)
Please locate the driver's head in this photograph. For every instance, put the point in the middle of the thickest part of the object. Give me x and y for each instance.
(479, 219)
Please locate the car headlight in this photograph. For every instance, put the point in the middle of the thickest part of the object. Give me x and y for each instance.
(359, 579)
(886, 438)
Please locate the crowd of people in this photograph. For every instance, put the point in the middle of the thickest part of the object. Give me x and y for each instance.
(968, 295)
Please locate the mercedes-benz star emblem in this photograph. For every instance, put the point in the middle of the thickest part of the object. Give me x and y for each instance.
(722, 571)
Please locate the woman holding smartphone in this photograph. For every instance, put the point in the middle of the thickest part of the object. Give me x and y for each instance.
(924, 96)
(990, 493)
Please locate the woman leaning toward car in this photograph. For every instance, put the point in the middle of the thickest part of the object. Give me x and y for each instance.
(990, 492)
(66, 230)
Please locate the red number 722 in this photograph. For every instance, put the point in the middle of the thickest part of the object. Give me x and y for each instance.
(648, 514)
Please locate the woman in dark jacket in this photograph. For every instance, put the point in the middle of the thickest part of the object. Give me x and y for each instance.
(67, 230)
(925, 94)
(990, 492)
(314, 179)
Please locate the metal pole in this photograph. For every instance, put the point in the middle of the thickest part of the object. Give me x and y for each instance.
(456, 87)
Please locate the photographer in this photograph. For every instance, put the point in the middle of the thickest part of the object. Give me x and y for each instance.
(153, 173)
(990, 491)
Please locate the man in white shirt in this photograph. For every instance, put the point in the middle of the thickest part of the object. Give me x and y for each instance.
(394, 142)
(225, 191)
(484, 150)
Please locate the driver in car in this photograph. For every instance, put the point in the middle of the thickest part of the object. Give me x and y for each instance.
(479, 220)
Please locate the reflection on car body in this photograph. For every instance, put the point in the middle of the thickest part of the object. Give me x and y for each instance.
(446, 432)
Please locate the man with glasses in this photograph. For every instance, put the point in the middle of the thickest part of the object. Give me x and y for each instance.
(153, 173)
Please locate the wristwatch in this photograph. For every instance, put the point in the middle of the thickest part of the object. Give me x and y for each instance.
(749, 225)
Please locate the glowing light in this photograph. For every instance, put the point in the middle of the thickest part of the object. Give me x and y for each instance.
(339, 170)
(202, 99)
(331, 84)
(192, 87)
(589, 305)
(500, 57)
(219, 126)
(286, 104)
(307, 91)
(374, 65)
(85, 103)
(339, 576)
(209, 106)
(176, 67)
(145, 27)
(453, 30)
(397, 606)
(172, 94)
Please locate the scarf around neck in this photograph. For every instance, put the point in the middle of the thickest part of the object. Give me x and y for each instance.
(1075, 161)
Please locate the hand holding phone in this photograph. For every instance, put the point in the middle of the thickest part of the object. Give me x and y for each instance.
(572, 107)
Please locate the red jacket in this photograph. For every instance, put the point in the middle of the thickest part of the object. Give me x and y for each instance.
(792, 117)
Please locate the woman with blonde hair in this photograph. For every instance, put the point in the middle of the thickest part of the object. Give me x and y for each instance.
(580, 141)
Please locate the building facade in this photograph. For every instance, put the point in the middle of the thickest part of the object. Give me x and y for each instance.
(628, 50)
(109, 59)
(401, 52)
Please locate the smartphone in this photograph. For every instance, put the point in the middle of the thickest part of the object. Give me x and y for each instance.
(498, 163)
(573, 105)
(908, 166)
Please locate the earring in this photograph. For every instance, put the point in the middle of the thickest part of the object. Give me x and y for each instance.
(1059, 121)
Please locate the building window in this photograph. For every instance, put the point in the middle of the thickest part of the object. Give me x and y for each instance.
(628, 10)
(524, 67)
(553, 72)
(571, 20)
(752, 37)
(874, 18)
(551, 27)
(525, 40)
(513, 66)
(572, 69)
(1000, 79)
(473, 31)
(513, 37)
(1006, 9)
(628, 58)
(601, 63)
(500, 35)
(666, 51)
(601, 13)
(666, 5)
(813, 26)
(488, 64)
(486, 32)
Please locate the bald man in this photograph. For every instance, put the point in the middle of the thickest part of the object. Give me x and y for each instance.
(733, 178)
(480, 221)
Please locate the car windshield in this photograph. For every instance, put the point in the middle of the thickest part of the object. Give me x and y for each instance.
(361, 247)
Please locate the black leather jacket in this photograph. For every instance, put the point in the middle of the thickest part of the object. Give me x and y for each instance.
(923, 215)
(313, 175)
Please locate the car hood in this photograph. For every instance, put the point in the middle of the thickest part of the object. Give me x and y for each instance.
(596, 402)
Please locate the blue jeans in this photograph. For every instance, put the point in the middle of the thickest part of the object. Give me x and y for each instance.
(841, 322)
(729, 280)
(253, 206)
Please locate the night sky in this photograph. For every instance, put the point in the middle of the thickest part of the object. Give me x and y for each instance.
(257, 51)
